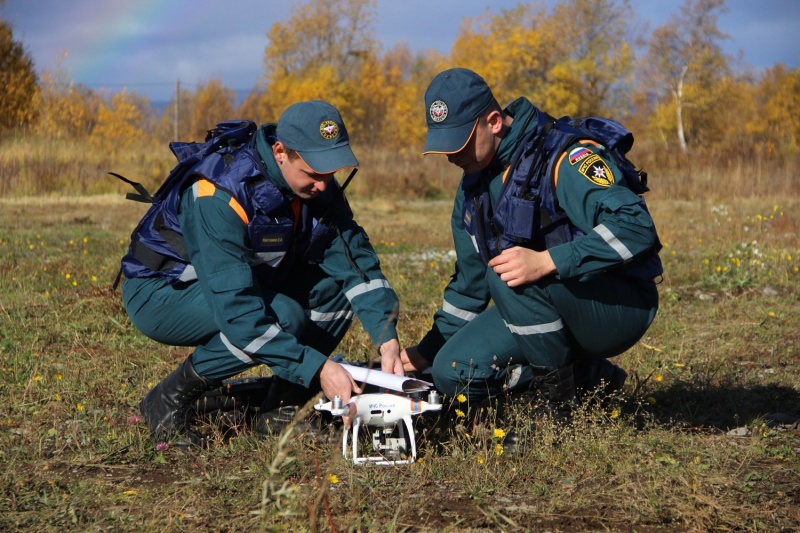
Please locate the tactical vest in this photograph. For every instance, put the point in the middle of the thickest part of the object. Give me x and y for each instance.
(276, 228)
(527, 213)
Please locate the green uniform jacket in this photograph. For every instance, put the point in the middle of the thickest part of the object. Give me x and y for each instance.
(217, 242)
(615, 221)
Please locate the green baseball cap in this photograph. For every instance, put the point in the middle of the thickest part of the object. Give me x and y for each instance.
(455, 99)
(316, 131)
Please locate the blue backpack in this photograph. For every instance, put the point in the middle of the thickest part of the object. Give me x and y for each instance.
(157, 244)
(527, 211)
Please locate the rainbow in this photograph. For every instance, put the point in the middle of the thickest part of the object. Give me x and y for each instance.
(114, 34)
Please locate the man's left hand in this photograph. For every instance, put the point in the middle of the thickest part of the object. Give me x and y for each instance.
(517, 266)
(390, 357)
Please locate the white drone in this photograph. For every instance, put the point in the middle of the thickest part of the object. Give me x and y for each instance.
(394, 442)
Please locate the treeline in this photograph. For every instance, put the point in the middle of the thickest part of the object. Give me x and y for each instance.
(683, 97)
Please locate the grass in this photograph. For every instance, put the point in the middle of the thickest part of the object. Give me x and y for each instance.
(703, 438)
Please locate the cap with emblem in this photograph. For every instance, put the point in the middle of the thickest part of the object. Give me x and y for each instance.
(316, 131)
(455, 99)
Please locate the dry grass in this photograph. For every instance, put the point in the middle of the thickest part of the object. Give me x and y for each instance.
(704, 437)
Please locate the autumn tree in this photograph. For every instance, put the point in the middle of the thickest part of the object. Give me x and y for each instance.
(776, 129)
(578, 60)
(18, 82)
(122, 123)
(594, 74)
(683, 67)
(513, 50)
(66, 109)
(212, 104)
(319, 53)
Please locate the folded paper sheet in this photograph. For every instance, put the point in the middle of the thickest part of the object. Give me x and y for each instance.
(386, 380)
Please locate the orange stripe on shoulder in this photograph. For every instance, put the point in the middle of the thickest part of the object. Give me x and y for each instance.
(557, 168)
(205, 188)
(237, 207)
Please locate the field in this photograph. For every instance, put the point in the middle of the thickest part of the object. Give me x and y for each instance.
(705, 436)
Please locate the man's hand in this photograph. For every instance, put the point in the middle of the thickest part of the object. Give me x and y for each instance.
(390, 357)
(336, 381)
(412, 360)
(517, 266)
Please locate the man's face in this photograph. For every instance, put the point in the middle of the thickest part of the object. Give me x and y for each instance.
(300, 177)
(479, 151)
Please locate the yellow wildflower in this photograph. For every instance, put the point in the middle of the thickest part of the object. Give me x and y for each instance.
(461, 398)
(79, 407)
(333, 479)
(479, 459)
(658, 377)
(498, 449)
(499, 433)
(460, 413)
(615, 413)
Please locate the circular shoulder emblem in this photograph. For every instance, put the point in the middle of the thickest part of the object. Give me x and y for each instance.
(329, 130)
(438, 111)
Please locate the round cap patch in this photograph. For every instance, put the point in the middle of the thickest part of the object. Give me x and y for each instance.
(438, 111)
(329, 130)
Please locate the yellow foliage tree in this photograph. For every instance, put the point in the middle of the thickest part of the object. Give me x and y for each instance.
(565, 62)
(18, 83)
(684, 63)
(212, 104)
(777, 127)
(66, 110)
(120, 124)
(319, 52)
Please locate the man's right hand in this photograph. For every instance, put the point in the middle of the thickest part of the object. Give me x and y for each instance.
(336, 381)
(412, 360)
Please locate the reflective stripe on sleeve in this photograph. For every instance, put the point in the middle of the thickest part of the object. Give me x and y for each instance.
(449, 308)
(316, 316)
(613, 242)
(536, 329)
(367, 287)
(254, 346)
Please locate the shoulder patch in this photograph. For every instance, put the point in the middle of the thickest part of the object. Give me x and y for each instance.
(596, 170)
(578, 154)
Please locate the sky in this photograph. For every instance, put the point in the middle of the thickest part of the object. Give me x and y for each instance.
(146, 45)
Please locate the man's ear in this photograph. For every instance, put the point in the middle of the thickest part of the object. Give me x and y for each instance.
(495, 121)
(279, 151)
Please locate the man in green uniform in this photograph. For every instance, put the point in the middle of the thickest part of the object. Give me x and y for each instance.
(277, 268)
(559, 311)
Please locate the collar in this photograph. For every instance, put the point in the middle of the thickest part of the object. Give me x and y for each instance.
(265, 138)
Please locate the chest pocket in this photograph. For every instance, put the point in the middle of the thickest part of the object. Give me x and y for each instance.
(270, 238)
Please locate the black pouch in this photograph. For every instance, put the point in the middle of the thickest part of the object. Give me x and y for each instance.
(321, 238)
(521, 218)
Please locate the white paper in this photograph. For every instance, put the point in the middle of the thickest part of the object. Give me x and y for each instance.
(386, 380)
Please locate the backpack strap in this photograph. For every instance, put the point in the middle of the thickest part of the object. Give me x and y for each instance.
(143, 195)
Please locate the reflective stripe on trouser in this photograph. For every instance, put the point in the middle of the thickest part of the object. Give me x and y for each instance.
(316, 312)
(482, 359)
(545, 325)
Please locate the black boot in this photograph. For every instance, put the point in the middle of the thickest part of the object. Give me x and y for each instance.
(279, 408)
(169, 406)
(558, 388)
(598, 379)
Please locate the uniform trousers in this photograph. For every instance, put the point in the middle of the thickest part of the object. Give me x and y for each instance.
(310, 305)
(542, 327)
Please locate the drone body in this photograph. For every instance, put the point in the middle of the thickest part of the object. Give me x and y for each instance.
(383, 412)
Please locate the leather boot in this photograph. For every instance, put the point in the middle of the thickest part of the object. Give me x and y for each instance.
(558, 388)
(280, 406)
(169, 406)
(598, 378)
